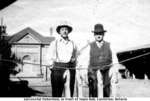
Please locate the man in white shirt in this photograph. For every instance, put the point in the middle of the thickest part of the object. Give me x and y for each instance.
(62, 55)
(97, 59)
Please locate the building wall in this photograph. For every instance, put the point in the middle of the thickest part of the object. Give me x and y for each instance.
(32, 50)
(31, 54)
(44, 54)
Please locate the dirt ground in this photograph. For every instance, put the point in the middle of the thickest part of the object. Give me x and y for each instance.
(125, 88)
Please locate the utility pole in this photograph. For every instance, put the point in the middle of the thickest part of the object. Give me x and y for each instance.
(51, 31)
(2, 30)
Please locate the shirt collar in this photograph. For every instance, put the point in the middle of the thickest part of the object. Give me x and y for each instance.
(64, 41)
(99, 44)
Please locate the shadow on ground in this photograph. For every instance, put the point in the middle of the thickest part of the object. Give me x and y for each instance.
(21, 89)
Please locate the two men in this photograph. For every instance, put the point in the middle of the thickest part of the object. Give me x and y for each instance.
(62, 55)
(96, 58)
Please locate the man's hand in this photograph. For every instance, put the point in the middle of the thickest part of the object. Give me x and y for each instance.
(50, 64)
(50, 67)
(73, 60)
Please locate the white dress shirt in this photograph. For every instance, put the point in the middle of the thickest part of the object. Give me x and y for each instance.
(60, 50)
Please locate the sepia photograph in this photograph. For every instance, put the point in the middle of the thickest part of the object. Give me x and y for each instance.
(75, 50)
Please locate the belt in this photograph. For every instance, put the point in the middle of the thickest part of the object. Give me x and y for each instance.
(61, 64)
(99, 67)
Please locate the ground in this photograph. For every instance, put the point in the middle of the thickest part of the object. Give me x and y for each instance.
(125, 87)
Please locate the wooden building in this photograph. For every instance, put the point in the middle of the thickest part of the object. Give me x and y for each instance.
(31, 47)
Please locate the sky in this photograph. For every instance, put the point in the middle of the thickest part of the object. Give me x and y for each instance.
(127, 21)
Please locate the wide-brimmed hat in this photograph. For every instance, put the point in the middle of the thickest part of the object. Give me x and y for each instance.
(98, 28)
(68, 26)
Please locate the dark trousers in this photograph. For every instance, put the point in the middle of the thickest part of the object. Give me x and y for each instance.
(57, 80)
(92, 78)
(72, 81)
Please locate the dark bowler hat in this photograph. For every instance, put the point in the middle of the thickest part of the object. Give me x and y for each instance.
(63, 25)
(98, 28)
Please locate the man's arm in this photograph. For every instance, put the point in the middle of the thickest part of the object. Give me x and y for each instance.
(83, 58)
(114, 70)
(114, 56)
(51, 54)
(82, 65)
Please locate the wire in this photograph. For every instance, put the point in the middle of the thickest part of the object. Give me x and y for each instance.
(48, 66)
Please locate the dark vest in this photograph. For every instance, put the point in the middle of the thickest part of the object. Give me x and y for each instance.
(100, 57)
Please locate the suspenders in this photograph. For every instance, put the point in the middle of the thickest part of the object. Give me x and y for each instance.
(73, 52)
(57, 51)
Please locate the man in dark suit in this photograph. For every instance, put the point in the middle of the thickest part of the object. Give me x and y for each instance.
(98, 58)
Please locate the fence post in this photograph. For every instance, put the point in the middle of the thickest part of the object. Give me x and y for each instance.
(46, 73)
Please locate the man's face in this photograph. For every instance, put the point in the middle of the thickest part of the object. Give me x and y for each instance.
(99, 36)
(64, 32)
